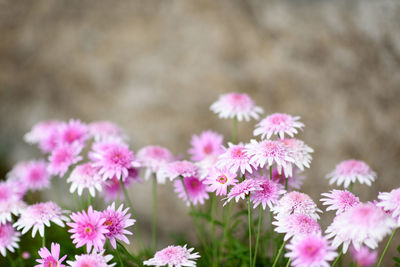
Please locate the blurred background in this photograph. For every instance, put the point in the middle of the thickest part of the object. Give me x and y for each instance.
(155, 67)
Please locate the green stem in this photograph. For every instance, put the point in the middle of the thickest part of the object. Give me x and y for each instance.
(227, 223)
(286, 183)
(279, 254)
(119, 258)
(270, 172)
(337, 259)
(258, 235)
(351, 187)
(288, 263)
(234, 130)
(272, 231)
(214, 244)
(386, 247)
(249, 222)
(154, 222)
(10, 259)
(89, 200)
(44, 239)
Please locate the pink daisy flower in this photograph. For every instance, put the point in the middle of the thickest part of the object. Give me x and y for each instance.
(234, 158)
(63, 157)
(45, 134)
(296, 202)
(339, 200)
(153, 158)
(241, 190)
(113, 158)
(207, 144)
(39, 215)
(196, 189)
(349, 171)
(268, 195)
(104, 130)
(364, 257)
(116, 222)
(295, 225)
(278, 124)
(73, 132)
(219, 180)
(93, 260)
(174, 256)
(33, 175)
(236, 105)
(294, 182)
(50, 258)
(8, 238)
(265, 153)
(88, 229)
(299, 151)
(175, 169)
(361, 224)
(390, 202)
(10, 201)
(85, 176)
(311, 250)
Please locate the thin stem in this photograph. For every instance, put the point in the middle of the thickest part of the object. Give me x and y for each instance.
(288, 263)
(227, 223)
(89, 200)
(279, 254)
(44, 239)
(234, 130)
(386, 247)
(213, 207)
(154, 221)
(119, 258)
(351, 187)
(270, 172)
(258, 235)
(286, 183)
(10, 259)
(272, 231)
(337, 259)
(249, 221)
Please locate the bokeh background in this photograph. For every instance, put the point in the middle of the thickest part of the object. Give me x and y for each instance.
(155, 67)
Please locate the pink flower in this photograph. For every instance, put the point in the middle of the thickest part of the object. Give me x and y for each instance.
(207, 144)
(8, 238)
(390, 202)
(278, 124)
(311, 250)
(85, 176)
(219, 180)
(153, 158)
(362, 224)
(10, 201)
(175, 169)
(93, 260)
(196, 189)
(113, 185)
(268, 195)
(104, 130)
(266, 153)
(294, 182)
(236, 105)
(113, 158)
(364, 257)
(295, 225)
(174, 256)
(73, 132)
(299, 152)
(296, 202)
(33, 175)
(241, 190)
(234, 158)
(116, 221)
(88, 229)
(49, 259)
(39, 215)
(46, 134)
(339, 200)
(63, 157)
(349, 171)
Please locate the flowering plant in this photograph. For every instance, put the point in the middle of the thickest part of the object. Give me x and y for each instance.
(243, 196)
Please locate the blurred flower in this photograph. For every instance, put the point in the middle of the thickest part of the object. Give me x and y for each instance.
(85, 176)
(113, 185)
(241, 190)
(174, 256)
(10, 201)
(207, 144)
(63, 157)
(46, 134)
(195, 189)
(8, 238)
(50, 259)
(25, 255)
(339, 200)
(103, 130)
(219, 180)
(268, 195)
(93, 260)
(234, 158)
(299, 151)
(236, 105)
(349, 171)
(390, 202)
(296, 225)
(152, 158)
(294, 182)
(364, 257)
(175, 169)
(296, 202)
(32, 175)
(73, 132)
(278, 124)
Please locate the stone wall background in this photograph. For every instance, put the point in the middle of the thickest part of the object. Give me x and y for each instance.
(154, 67)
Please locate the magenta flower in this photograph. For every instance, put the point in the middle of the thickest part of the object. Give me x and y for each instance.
(174, 256)
(349, 171)
(85, 176)
(93, 260)
(364, 257)
(10, 201)
(339, 200)
(153, 158)
(268, 195)
(241, 190)
(310, 251)
(207, 144)
(196, 190)
(219, 180)
(390, 202)
(234, 158)
(39, 215)
(296, 202)
(278, 124)
(63, 157)
(33, 175)
(295, 225)
(175, 169)
(104, 130)
(46, 134)
(113, 158)
(8, 238)
(116, 221)
(50, 259)
(73, 132)
(88, 229)
(299, 152)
